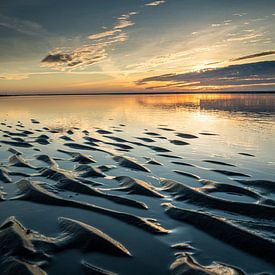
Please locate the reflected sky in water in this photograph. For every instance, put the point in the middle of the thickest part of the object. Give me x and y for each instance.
(242, 122)
(227, 127)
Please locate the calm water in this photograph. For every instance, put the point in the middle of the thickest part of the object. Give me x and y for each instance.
(234, 129)
(243, 123)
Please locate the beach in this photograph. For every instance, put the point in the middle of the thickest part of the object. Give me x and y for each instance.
(137, 184)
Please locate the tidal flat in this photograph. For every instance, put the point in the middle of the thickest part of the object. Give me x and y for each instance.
(137, 184)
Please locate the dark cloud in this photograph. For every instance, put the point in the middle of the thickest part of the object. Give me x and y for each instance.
(253, 55)
(245, 74)
(56, 58)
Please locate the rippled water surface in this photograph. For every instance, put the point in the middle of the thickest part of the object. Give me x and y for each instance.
(208, 166)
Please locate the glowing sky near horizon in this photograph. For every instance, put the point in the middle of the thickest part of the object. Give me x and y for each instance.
(138, 45)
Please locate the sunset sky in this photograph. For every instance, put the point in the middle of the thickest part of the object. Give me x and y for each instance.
(136, 45)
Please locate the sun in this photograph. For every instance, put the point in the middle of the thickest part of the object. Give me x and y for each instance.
(201, 66)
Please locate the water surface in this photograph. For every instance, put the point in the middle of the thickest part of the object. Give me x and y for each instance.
(206, 142)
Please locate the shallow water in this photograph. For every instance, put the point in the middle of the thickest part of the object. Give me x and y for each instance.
(221, 146)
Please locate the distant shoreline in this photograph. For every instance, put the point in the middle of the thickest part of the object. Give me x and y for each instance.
(135, 93)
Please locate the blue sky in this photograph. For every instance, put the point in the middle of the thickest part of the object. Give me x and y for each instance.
(115, 45)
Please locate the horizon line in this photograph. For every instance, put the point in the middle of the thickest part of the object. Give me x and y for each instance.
(135, 93)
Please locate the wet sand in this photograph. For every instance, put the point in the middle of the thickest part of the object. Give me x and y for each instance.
(119, 198)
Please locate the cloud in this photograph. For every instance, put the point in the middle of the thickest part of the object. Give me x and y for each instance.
(184, 57)
(26, 75)
(155, 3)
(21, 26)
(253, 55)
(122, 22)
(224, 23)
(260, 73)
(64, 59)
(57, 57)
(245, 37)
(216, 25)
(240, 14)
(13, 76)
(204, 48)
(102, 34)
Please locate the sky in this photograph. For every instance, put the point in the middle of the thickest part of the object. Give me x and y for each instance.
(68, 46)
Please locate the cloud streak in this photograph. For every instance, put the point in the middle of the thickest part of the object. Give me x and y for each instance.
(26, 75)
(122, 22)
(22, 26)
(253, 56)
(155, 3)
(260, 73)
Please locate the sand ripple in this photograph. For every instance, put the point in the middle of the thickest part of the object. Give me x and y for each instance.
(34, 191)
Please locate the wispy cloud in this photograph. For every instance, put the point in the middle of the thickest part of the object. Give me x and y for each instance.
(26, 75)
(95, 52)
(179, 56)
(122, 22)
(207, 47)
(13, 76)
(155, 3)
(103, 34)
(245, 37)
(253, 56)
(240, 14)
(260, 73)
(224, 23)
(21, 26)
